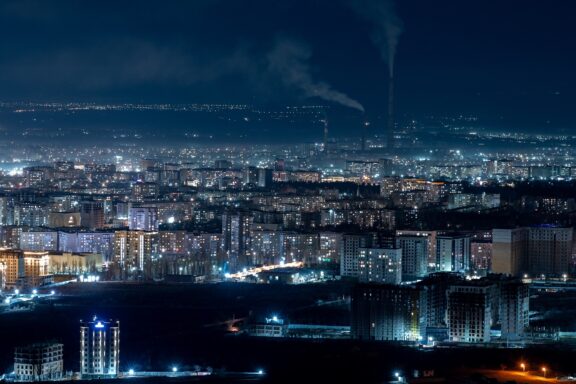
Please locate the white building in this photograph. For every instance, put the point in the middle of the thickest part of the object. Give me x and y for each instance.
(99, 348)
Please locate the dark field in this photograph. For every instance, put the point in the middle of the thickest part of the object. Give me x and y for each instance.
(166, 325)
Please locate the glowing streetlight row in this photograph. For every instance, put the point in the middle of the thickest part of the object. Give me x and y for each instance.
(543, 369)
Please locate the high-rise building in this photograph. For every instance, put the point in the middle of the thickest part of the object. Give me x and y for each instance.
(36, 268)
(142, 191)
(509, 251)
(434, 288)
(350, 252)
(96, 242)
(143, 219)
(514, 309)
(453, 253)
(470, 312)
(236, 239)
(133, 251)
(329, 247)
(99, 348)
(39, 362)
(414, 256)
(481, 256)
(550, 250)
(265, 177)
(207, 246)
(31, 214)
(11, 267)
(35, 240)
(380, 265)
(302, 247)
(11, 236)
(173, 242)
(387, 312)
(251, 176)
(267, 247)
(542, 250)
(431, 241)
(87, 242)
(92, 214)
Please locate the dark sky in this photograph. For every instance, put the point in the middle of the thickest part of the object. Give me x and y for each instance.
(512, 60)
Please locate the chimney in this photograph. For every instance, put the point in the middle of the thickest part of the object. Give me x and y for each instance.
(390, 130)
(325, 132)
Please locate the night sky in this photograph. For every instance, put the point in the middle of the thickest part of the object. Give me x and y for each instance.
(513, 60)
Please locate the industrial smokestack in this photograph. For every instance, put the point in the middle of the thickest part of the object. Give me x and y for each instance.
(390, 127)
(325, 134)
(325, 121)
(387, 30)
(365, 125)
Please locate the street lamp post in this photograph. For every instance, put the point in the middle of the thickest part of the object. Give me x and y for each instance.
(544, 370)
(523, 366)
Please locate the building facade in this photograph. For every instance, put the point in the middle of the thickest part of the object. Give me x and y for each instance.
(39, 362)
(387, 312)
(470, 312)
(99, 348)
(380, 265)
(453, 253)
(414, 256)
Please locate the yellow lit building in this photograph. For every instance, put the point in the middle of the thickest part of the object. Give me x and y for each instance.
(11, 263)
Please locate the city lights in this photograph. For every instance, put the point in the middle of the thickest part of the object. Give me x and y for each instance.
(295, 191)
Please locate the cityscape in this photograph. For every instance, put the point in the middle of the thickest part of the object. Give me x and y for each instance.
(214, 191)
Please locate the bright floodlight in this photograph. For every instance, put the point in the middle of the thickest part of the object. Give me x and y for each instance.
(260, 372)
(17, 291)
(396, 374)
(131, 372)
(34, 291)
(7, 301)
(275, 319)
(52, 292)
(174, 369)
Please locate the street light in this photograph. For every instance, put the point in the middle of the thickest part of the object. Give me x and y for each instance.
(523, 366)
(174, 369)
(544, 371)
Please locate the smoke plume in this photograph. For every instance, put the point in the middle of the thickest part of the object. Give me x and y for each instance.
(289, 59)
(387, 26)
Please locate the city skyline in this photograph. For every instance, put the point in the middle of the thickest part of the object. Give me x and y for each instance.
(369, 191)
